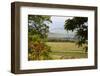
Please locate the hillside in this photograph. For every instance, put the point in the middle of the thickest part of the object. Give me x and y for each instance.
(60, 36)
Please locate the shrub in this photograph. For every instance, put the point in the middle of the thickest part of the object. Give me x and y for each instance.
(38, 50)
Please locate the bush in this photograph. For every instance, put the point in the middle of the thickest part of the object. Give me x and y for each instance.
(37, 49)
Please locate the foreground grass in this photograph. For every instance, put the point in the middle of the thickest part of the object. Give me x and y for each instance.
(66, 50)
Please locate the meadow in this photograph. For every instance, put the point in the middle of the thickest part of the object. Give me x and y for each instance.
(66, 50)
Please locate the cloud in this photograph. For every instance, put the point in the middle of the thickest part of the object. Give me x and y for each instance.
(57, 25)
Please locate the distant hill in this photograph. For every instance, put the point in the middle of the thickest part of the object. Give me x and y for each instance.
(60, 36)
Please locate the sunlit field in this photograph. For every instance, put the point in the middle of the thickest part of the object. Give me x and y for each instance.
(66, 50)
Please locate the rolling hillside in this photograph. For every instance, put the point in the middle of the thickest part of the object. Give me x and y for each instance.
(60, 36)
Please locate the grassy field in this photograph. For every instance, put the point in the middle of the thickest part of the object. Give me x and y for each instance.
(66, 50)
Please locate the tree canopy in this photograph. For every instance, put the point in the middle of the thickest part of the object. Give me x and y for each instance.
(38, 25)
(37, 34)
(80, 25)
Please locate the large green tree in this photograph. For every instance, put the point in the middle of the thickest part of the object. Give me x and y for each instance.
(80, 25)
(38, 24)
(37, 35)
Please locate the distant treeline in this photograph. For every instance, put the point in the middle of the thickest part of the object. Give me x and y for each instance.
(60, 40)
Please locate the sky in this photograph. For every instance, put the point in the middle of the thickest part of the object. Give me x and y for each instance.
(57, 25)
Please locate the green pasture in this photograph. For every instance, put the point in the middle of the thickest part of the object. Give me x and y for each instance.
(66, 50)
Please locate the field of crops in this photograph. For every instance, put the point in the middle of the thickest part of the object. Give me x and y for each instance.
(66, 50)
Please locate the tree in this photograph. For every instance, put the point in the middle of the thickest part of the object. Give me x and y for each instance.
(38, 50)
(37, 35)
(38, 24)
(79, 24)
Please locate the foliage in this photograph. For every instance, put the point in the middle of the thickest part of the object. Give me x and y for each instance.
(37, 35)
(38, 50)
(79, 24)
(60, 40)
(38, 25)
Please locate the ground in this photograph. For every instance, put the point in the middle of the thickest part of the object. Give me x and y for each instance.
(66, 50)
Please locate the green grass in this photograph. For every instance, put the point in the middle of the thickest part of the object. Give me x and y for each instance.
(66, 50)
